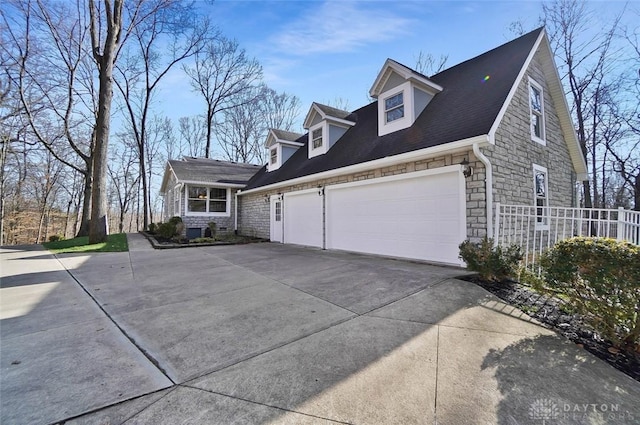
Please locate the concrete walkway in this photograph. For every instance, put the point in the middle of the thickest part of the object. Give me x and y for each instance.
(268, 333)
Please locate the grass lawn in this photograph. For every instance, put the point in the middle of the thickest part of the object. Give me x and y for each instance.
(114, 243)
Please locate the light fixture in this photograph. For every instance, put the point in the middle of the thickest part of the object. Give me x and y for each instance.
(320, 190)
(467, 170)
(266, 198)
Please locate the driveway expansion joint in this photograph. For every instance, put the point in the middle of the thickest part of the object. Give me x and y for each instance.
(264, 404)
(144, 352)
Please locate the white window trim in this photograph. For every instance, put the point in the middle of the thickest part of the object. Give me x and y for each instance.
(401, 105)
(274, 166)
(321, 138)
(320, 150)
(385, 127)
(177, 192)
(544, 223)
(227, 213)
(273, 156)
(537, 86)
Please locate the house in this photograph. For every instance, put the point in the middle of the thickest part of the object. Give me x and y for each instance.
(202, 190)
(420, 169)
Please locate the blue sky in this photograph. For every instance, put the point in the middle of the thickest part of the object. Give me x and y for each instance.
(324, 50)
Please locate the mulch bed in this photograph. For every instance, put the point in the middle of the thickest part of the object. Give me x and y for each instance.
(161, 243)
(549, 311)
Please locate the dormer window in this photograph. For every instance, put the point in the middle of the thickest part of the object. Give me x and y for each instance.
(281, 145)
(325, 125)
(402, 95)
(394, 107)
(316, 138)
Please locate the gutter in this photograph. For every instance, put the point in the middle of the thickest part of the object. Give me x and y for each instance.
(378, 163)
(488, 184)
(235, 213)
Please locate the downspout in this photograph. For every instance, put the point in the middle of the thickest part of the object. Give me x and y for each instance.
(488, 184)
(235, 213)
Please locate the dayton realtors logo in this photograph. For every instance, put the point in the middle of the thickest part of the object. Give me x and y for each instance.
(544, 410)
(549, 410)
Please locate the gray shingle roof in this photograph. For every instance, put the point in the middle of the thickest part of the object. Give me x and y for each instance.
(467, 107)
(212, 170)
(286, 135)
(333, 112)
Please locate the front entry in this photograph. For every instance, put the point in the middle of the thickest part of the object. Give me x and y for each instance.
(276, 230)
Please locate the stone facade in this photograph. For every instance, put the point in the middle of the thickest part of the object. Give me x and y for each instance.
(224, 224)
(514, 152)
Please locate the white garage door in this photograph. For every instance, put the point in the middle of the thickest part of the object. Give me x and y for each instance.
(420, 216)
(303, 218)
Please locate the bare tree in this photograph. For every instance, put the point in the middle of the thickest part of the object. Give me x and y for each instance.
(279, 110)
(193, 132)
(124, 178)
(48, 51)
(223, 74)
(428, 64)
(242, 130)
(172, 29)
(584, 64)
(239, 130)
(106, 34)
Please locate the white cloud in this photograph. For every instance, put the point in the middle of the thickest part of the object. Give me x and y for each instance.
(340, 27)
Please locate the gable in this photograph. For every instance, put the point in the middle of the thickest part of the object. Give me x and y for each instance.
(394, 80)
(541, 51)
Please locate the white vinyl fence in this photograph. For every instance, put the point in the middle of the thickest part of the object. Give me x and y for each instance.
(535, 229)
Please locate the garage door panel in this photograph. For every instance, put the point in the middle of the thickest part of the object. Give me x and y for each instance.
(417, 217)
(303, 219)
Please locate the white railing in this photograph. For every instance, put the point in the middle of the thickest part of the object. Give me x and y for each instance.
(536, 229)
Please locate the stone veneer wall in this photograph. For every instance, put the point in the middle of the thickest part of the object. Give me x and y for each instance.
(514, 152)
(253, 210)
(202, 221)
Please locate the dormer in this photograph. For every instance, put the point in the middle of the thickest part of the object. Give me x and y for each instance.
(402, 95)
(281, 145)
(325, 125)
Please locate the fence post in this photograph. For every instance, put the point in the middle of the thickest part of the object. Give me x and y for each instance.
(621, 230)
(496, 228)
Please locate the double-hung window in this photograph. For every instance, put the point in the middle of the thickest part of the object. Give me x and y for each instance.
(394, 107)
(274, 155)
(316, 138)
(541, 195)
(177, 192)
(207, 200)
(536, 107)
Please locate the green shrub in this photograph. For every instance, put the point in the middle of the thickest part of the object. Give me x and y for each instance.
(491, 263)
(56, 238)
(175, 220)
(153, 228)
(600, 279)
(167, 230)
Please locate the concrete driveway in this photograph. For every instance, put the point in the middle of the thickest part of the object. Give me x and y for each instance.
(268, 333)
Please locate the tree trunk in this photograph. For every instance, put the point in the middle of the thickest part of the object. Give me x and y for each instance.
(209, 131)
(86, 206)
(98, 226)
